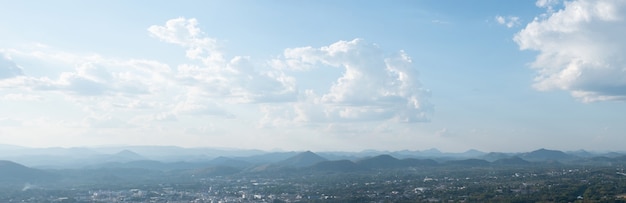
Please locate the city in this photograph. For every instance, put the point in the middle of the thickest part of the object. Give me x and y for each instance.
(308, 177)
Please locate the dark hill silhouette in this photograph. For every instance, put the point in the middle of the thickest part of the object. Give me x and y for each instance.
(304, 159)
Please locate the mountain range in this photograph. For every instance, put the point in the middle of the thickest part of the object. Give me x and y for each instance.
(166, 158)
(128, 165)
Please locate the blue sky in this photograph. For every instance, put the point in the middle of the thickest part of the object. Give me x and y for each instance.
(315, 75)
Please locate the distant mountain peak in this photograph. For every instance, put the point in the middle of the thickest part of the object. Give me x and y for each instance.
(303, 159)
(432, 151)
(380, 161)
(473, 151)
(546, 154)
(128, 154)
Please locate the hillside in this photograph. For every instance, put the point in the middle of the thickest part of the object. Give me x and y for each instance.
(14, 172)
(304, 159)
(547, 155)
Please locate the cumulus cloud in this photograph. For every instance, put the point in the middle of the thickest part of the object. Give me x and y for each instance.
(581, 49)
(236, 78)
(373, 86)
(185, 32)
(548, 4)
(8, 68)
(508, 21)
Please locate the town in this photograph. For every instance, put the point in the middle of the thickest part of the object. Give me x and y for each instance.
(415, 184)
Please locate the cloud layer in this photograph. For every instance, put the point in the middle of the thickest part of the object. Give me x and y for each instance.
(581, 49)
(137, 93)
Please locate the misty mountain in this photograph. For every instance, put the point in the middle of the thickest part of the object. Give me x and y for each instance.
(492, 156)
(547, 155)
(149, 165)
(612, 154)
(435, 153)
(621, 159)
(468, 162)
(303, 159)
(13, 172)
(337, 166)
(179, 165)
(431, 152)
(581, 153)
(419, 162)
(214, 171)
(511, 161)
(295, 161)
(112, 176)
(231, 162)
(78, 157)
(388, 161)
(472, 153)
(165, 158)
(267, 157)
(174, 153)
(128, 155)
(380, 161)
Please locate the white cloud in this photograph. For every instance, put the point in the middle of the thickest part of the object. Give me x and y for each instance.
(95, 76)
(581, 49)
(238, 78)
(548, 4)
(186, 33)
(508, 21)
(367, 86)
(373, 86)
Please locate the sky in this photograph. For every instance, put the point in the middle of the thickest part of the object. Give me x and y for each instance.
(324, 75)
